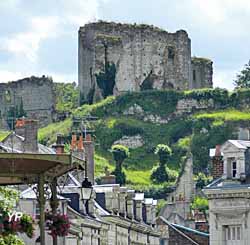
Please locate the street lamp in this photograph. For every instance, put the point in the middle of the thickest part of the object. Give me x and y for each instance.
(86, 190)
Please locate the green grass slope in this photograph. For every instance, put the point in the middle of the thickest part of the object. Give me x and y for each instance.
(198, 130)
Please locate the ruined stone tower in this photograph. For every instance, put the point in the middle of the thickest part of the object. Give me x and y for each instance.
(115, 58)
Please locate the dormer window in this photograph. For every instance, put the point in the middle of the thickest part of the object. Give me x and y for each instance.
(234, 169)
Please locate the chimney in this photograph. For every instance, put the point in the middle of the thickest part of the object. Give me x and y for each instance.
(122, 201)
(28, 128)
(217, 163)
(115, 200)
(59, 146)
(148, 203)
(89, 151)
(73, 142)
(154, 212)
(138, 199)
(20, 127)
(130, 204)
(243, 134)
(108, 201)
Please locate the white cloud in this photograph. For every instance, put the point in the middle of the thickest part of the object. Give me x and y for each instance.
(80, 12)
(27, 43)
(63, 18)
(7, 76)
(224, 79)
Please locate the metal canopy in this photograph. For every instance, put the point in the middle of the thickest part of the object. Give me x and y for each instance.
(20, 168)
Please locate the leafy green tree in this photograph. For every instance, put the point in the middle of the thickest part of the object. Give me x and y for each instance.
(243, 78)
(160, 174)
(201, 180)
(67, 96)
(21, 111)
(120, 153)
(163, 151)
(15, 112)
(200, 203)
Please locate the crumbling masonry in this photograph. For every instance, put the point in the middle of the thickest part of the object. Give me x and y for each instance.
(32, 97)
(115, 58)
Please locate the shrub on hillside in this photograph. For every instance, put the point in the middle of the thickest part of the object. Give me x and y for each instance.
(120, 153)
(160, 174)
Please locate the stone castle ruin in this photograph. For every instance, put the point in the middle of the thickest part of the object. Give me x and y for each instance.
(115, 58)
(32, 97)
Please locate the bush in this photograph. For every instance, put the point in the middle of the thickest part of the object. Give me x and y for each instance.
(159, 174)
(120, 153)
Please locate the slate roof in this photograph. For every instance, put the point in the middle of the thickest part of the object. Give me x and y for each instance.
(42, 149)
(29, 193)
(241, 144)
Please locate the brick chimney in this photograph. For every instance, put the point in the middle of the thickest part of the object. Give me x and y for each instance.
(217, 163)
(28, 129)
(59, 146)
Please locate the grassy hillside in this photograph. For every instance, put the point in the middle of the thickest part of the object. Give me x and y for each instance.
(197, 130)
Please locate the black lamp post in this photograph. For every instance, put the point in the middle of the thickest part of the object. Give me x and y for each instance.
(86, 190)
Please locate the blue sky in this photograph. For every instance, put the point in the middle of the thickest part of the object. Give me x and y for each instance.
(40, 36)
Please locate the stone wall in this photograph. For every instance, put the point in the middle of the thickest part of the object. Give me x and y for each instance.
(202, 73)
(34, 94)
(132, 58)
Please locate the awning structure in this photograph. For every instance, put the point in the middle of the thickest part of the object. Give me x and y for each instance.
(27, 168)
(22, 168)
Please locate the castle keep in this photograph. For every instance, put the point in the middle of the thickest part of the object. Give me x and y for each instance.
(115, 58)
(32, 97)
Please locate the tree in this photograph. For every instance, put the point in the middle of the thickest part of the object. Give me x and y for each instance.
(160, 174)
(120, 153)
(200, 203)
(163, 151)
(243, 78)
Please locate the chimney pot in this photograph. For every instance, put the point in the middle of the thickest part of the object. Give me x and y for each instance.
(73, 142)
(217, 150)
(59, 146)
(80, 143)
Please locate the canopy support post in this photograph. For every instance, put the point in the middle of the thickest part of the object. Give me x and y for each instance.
(54, 202)
(41, 200)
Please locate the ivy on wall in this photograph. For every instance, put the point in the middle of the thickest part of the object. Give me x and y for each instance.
(106, 80)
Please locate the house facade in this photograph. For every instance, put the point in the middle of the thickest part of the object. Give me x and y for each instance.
(229, 203)
(113, 215)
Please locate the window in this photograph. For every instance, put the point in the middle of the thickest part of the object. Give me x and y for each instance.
(194, 75)
(234, 169)
(233, 233)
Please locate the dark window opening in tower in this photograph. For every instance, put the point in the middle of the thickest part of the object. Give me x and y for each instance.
(194, 75)
(170, 53)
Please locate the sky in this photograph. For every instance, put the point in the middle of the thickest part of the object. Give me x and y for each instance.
(39, 37)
